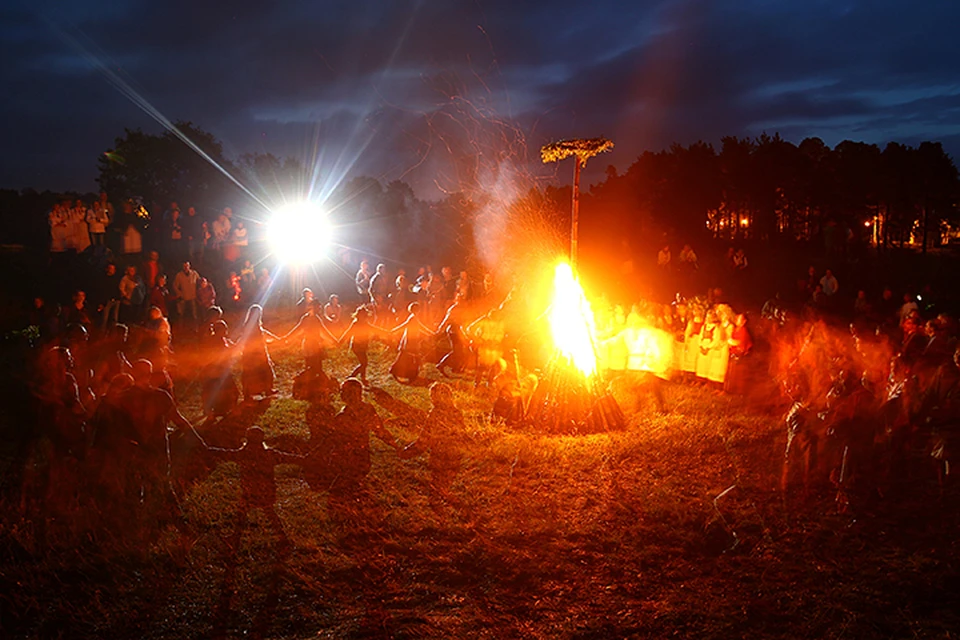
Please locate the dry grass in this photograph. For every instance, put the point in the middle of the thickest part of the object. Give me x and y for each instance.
(610, 535)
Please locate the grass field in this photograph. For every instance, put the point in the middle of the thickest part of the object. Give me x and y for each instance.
(674, 527)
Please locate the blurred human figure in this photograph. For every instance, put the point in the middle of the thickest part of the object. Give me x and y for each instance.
(688, 259)
(829, 284)
(258, 485)
(206, 294)
(464, 290)
(359, 334)
(406, 368)
(76, 313)
(740, 261)
(908, 307)
(710, 339)
(439, 437)
(401, 297)
(185, 291)
(152, 410)
(99, 217)
(132, 296)
(861, 306)
(218, 391)
(173, 235)
(486, 335)
(315, 336)
(160, 296)
(240, 237)
(193, 232)
(348, 450)
(741, 345)
(151, 269)
(664, 258)
(333, 311)
(157, 339)
(79, 231)
(58, 219)
(306, 300)
(362, 281)
(379, 290)
(257, 375)
(221, 229)
(264, 282)
(452, 326)
(132, 238)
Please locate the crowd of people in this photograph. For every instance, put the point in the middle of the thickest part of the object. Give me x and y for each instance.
(111, 434)
(881, 390)
(77, 226)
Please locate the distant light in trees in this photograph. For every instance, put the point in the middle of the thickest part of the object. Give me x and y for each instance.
(299, 233)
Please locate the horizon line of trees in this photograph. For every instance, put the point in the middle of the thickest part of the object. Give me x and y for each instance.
(768, 188)
(762, 188)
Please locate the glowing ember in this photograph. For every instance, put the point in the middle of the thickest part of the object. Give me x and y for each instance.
(571, 321)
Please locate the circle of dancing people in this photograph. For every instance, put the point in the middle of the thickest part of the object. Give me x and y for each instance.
(112, 445)
(869, 404)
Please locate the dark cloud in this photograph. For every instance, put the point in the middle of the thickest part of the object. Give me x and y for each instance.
(439, 93)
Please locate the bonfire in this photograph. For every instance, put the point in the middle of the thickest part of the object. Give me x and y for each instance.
(571, 396)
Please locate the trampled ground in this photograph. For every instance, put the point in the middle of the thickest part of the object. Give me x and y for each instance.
(600, 536)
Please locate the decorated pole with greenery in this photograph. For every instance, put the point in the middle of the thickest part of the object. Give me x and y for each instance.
(582, 150)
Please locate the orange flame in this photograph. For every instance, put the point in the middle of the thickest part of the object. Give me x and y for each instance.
(571, 321)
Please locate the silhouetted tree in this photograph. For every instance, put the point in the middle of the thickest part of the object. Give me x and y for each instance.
(274, 180)
(161, 168)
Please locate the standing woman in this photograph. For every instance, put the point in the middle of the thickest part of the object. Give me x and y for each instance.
(710, 337)
(720, 355)
(691, 342)
(78, 220)
(359, 333)
(257, 374)
(406, 368)
(741, 343)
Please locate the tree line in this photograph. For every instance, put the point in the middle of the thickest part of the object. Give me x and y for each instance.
(749, 188)
(768, 188)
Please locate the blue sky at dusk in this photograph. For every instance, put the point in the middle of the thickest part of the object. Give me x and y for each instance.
(429, 91)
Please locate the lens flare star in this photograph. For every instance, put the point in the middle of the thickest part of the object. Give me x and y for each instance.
(299, 234)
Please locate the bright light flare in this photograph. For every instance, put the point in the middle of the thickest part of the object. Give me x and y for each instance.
(299, 233)
(571, 321)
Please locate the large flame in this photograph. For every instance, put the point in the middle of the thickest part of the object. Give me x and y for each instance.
(571, 321)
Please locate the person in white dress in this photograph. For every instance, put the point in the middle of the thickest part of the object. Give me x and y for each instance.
(78, 223)
(58, 220)
(99, 216)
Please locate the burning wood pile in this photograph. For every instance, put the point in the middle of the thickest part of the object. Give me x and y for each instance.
(571, 397)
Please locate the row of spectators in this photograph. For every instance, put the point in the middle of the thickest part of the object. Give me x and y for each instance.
(78, 226)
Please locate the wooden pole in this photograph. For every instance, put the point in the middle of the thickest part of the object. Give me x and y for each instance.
(576, 216)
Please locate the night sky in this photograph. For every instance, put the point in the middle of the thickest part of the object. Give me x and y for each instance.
(400, 89)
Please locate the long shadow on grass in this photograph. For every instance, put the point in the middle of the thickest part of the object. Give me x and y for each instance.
(265, 615)
(228, 432)
(399, 408)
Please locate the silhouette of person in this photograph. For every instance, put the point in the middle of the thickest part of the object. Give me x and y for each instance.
(257, 369)
(439, 438)
(406, 368)
(359, 334)
(218, 391)
(151, 411)
(258, 486)
(348, 448)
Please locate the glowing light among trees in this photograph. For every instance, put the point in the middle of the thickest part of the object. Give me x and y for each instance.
(299, 233)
